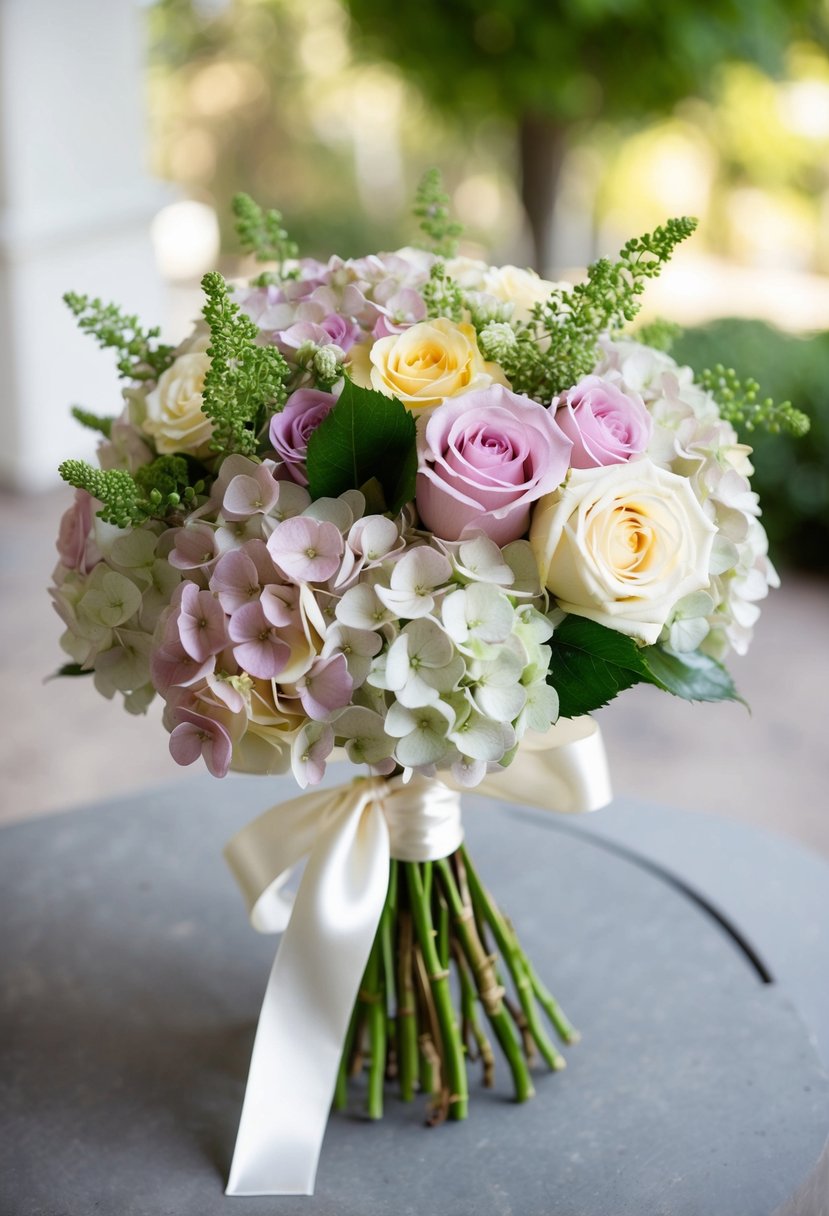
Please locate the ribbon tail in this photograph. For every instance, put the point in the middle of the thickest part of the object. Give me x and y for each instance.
(564, 769)
(307, 1006)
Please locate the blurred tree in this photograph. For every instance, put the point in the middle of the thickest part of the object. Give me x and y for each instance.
(262, 96)
(553, 68)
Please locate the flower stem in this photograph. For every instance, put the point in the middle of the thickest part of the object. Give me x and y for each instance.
(406, 1009)
(372, 995)
(452, 1048)
(471, 1027)
(566, 1031)
(490, 992)
(516, 963)
(341, 1090)
(431, 1067)
(389, 982)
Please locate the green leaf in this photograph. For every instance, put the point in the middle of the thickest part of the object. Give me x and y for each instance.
(590, 665)
(693, 676)
(71, 669)
(366, 436)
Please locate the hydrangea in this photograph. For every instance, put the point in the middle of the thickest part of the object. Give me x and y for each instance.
(278, 621)
(690, 438)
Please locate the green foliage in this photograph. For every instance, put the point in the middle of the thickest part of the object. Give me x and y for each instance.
(165, 484)
(740, 403)
(443, 296)
(791, 475)
(114, 489)
(432, 209)
(140, 356)
(694, 676)
(660, 334)
(575, 59)
(590, 665)
(72, 669)
(366, 436)
(154, 492)
(560, 344)
(245, 382)
(261, 233)
(93, 422)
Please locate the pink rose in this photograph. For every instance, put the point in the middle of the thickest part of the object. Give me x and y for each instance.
(606, 425)
(292, 428)
(76, 538)
(484, 458)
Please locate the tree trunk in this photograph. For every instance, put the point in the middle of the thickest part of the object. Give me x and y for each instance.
(542, 145)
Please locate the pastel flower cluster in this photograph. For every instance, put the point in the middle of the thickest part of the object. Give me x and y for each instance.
(689, 438)
(279, 624)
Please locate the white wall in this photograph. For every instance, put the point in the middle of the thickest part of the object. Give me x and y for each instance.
(75, 208)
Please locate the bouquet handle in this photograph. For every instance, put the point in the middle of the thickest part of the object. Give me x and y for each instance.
(349, 836)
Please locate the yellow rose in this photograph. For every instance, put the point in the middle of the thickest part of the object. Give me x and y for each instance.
(174, 418)
(622, 544)
(429, 362)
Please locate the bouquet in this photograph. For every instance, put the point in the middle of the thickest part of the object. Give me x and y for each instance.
(416, 510)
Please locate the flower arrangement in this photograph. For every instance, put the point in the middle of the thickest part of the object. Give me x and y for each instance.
(417, 509)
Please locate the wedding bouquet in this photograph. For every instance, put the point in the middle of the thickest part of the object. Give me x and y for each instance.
(416, 509)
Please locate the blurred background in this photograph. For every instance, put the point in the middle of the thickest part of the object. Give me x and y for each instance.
(561, 130)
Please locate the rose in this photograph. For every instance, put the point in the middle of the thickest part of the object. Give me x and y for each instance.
(291, 429)
(621, 545)
(521, 288)
(483, 459)
(429, 362)
(174, 418)
(606, 425)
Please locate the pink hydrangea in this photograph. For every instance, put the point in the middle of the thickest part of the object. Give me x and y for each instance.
(76, 540)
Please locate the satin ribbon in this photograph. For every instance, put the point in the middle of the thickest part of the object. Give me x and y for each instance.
(349, 835)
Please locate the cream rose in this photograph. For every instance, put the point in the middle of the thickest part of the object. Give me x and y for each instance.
(429, 362)
(174, 418)
(622, 544)
(521, 288)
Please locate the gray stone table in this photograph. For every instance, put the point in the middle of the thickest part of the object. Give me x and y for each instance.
(691, 952)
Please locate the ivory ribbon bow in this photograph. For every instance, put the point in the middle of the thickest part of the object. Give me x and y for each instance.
(349, 834)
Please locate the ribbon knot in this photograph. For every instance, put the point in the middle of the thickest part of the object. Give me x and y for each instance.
(349, 835)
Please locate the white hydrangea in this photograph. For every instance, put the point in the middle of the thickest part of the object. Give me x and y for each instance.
(691, 439)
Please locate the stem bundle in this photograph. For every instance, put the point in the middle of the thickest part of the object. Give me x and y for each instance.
(411, 1024)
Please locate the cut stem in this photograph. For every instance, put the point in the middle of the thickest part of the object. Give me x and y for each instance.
(491, 994)
(516, 964)
(406, 1009)
(473, 1032)
(452, 1048)
(372, 995)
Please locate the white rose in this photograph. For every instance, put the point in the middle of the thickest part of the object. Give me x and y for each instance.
(468, 273)
(521, 288)
(621, 545)
(174, 418)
